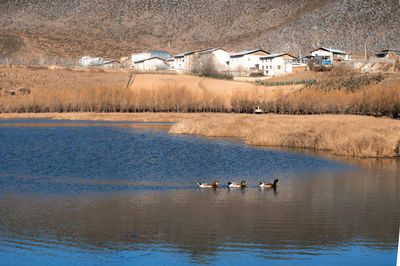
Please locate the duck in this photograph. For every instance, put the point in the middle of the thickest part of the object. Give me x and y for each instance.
(235, 184)
(268, 185)
(208, 185)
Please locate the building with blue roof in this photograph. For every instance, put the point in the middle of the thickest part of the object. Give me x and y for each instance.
(329, 55)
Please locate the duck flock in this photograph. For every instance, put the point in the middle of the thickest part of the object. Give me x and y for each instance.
(242, 184)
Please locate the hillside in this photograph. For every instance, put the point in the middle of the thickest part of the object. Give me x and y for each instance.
(112, 28)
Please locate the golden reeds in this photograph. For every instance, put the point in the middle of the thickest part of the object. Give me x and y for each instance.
(377, 101)
(341, 134)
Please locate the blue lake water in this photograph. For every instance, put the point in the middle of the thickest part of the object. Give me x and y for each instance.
(93, 193)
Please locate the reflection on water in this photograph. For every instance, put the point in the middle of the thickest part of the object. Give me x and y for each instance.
(127, 195)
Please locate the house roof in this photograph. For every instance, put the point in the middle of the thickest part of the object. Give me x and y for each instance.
(111, 61)
(90, 58)
(190, 53)
(334, 51)
(270, 56)
(210, 50)
(179, 55)
(154, 57)
(151, 52)
(389, 51)
(246, 52)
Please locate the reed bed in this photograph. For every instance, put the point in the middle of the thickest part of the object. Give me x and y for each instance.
(375, 101)
(164, 98)
(348, 135)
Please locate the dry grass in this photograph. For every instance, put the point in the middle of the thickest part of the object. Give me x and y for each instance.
(96, 91)
(341, 134)
(44, 78)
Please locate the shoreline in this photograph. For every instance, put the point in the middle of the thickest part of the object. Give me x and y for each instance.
(345, 135)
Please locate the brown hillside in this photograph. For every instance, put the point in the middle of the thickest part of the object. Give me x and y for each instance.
(111, 28)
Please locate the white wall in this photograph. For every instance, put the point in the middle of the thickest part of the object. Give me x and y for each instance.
(277, 65)
(150, 64)
(179, 63)
(321, 53)
(188, 65)
(222, 58)
(88, 61)
(244, 63)
(330, 55)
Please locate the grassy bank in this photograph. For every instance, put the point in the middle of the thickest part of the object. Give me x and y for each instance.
(341, 134)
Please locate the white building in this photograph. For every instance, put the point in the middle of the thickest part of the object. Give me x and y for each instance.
(146, 55)
(190, 60)
(276, 64)
(152, 63)
(246, 61)
(170, 62)
(330, 55)
(219, 56)
(112, 64)
(184, 61)
(87, 61)
(179, 62)
(388, 53)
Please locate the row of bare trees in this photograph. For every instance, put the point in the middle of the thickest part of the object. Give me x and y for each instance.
(377, 101)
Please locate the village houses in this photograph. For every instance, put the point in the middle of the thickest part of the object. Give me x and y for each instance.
(242, 63)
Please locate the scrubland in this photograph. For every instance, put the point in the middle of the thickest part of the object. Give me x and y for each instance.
(111, 28)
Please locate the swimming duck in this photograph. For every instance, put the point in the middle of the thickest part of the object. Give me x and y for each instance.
(268, 185)
(234, 184)
(208, 185)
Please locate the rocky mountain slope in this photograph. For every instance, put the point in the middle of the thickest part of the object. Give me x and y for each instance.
(112, 28)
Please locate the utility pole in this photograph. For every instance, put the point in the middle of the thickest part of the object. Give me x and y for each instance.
(365, 50)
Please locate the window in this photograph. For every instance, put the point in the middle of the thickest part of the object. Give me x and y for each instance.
(279, 67)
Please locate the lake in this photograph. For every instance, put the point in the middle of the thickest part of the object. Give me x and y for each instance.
(94, 193)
